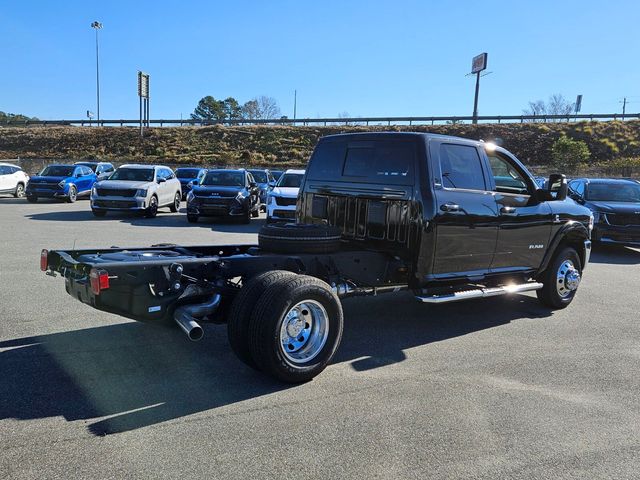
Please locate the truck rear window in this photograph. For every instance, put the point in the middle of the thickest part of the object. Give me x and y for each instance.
(380, 161)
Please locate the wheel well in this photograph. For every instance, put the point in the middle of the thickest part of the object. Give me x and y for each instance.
(577, 243)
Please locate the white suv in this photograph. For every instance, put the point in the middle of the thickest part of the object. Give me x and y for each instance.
(137, 188)
(281, 201)
(13, 180)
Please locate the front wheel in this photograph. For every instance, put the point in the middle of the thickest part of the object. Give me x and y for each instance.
(152, 209)
(295, 328)
(19, 193)
(73, 194)
(561, 279)
(175, 206)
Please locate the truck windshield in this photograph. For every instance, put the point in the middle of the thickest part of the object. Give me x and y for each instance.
(291, 180)
(58, 171)
(133, 174)
(224, 179)
(605, 192)
(187, 172)
(259, 175)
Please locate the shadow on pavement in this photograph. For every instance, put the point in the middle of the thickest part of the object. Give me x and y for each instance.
(614, 255)
(139, 375)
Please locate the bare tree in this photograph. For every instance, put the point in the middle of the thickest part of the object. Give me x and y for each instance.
(557, 105)
(268, 108)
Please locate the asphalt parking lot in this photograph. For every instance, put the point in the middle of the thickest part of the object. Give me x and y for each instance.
(493, 388)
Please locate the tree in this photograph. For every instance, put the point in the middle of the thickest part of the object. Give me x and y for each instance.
(14, 118)
(250, 110)
(209, 109)
(231, 109)
(268, 108)
(557, 105)
(568, 155)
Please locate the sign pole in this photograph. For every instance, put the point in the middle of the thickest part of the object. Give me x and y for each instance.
(475, 99)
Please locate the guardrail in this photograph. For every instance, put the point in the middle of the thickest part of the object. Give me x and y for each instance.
(338, 121)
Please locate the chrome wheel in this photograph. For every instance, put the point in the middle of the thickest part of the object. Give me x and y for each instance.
(19, 191)
(567, 279)
(304, 331)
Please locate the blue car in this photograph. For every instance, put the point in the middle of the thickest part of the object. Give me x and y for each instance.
(186, 175)
(65, 182)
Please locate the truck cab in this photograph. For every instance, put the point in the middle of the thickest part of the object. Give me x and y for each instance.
(455, 209)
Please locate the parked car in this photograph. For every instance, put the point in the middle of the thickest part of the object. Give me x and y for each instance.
(615, 204)
(379, 212)
(13, 180)
(276, 174)
(101, 169)
(281, 201)
(137, 188)
(265, 182)
(224, 193)
(66, 182)
(187, 175)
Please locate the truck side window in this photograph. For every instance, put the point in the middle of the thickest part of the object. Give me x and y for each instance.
(461, 168)
(506, 177)
(578, 187)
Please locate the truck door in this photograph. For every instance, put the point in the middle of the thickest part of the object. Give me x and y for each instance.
(466, 213)
(524, 222)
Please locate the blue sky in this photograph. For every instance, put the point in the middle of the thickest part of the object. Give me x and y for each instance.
(366, 58)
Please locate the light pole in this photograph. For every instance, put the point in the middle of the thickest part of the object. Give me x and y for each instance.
(97, 26)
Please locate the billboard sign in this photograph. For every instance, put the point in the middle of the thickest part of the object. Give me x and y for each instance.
(143, 85)
(479, 63)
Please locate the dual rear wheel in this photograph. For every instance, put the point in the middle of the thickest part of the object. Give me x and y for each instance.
(286, 325)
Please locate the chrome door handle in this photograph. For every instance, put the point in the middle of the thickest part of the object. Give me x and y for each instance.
(508, 211)
(450, 207)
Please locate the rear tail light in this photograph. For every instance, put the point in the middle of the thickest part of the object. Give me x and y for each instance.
(44, 260)
(99, 280)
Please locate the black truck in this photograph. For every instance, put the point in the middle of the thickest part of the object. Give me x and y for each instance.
(445, 217)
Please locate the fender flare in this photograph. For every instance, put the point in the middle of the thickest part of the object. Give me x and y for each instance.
(573, 231)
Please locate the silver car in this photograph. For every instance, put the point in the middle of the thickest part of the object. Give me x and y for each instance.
(137, 188)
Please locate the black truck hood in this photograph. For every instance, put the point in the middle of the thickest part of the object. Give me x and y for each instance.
(614, 207)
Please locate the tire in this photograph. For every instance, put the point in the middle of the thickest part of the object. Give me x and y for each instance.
(152, 209)
(73, 194)
(241, 308)
(98, 213)
(299, 238)
(298, 351)
(32, 198)
(175, 206)
(192, 218)
(246, 217)
(255, 213)
(560, 283)
(19, 193)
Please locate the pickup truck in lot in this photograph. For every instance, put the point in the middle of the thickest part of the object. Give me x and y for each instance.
(445, 217)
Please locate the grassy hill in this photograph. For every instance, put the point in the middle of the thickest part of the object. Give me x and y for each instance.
(284, 146)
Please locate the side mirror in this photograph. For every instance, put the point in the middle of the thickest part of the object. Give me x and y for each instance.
(558, 184)
(77, 175)
(161, 179)
(194, 182)
(253, 184)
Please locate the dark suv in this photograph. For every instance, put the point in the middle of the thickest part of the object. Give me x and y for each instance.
(615, 204)
(224, 193)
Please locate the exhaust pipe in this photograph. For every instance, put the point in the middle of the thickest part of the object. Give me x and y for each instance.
(186, 316)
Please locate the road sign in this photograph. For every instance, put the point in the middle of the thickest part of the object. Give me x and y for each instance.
(143, 85)
(479, 63)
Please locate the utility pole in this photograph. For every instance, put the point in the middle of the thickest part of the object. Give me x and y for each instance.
(295, 105)
(97, 26)
(475, 99)
(624, 106)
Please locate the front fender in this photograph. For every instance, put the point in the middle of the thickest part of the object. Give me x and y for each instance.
(572, 233)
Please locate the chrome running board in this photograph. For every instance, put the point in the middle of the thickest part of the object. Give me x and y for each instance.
(480, 293)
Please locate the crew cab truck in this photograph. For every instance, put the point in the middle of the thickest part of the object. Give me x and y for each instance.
(447, 218)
